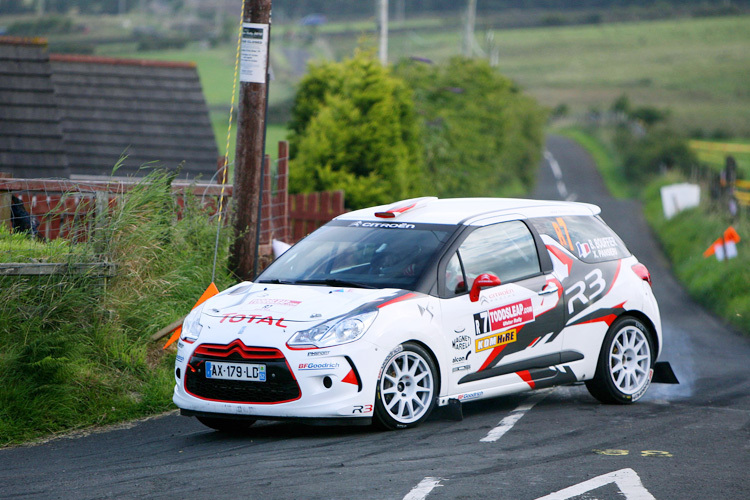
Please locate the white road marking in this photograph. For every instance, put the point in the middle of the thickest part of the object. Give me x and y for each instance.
(425, 486)
(557, 172)
(626, 479)
(508, 422)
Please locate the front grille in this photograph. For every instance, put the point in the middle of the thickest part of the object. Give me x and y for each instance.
(280, 384)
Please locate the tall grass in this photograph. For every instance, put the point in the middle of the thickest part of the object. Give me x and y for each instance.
(75, 351)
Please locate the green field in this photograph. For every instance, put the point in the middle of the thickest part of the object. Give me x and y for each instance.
(698, 68)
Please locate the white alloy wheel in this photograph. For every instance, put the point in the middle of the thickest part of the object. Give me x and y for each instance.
(630, 360)
(623, 372)
(407, 388)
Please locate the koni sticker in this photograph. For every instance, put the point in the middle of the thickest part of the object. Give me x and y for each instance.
(495, 340)
(502, 318)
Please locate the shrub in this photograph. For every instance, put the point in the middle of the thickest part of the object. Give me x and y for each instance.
(353, 127)
(482, 136)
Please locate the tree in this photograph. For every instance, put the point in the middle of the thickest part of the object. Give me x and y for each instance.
(353, 127)
(482, 135)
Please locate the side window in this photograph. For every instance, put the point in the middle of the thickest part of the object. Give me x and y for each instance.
(455, 283)
(506, 250)
(588, 238)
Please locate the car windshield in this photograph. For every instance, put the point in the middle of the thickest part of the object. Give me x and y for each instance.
(360, 254)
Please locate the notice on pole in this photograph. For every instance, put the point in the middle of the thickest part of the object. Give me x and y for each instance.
(253, 53)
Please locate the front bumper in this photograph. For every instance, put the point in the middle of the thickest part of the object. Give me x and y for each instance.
(335, 383)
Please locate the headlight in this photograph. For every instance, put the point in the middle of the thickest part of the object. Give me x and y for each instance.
(191, 327)
(334, 332)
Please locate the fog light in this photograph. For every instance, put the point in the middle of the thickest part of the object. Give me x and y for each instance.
(327, 382)
(177, 372)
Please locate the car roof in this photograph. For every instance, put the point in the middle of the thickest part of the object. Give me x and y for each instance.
(468, 211)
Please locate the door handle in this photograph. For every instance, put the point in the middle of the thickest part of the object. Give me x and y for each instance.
(548, 289)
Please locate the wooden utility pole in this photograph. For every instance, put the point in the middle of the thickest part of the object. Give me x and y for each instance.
(251, 128)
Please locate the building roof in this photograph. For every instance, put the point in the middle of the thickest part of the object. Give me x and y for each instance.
(63, 115)
(31, 139)
(151, 111)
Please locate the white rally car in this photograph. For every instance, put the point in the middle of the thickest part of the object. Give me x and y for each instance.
(385, 312)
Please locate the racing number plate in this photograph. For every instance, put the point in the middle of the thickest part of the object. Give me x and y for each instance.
(235, 371)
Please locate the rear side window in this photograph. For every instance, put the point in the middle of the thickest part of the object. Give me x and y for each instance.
(588, 238)
(507, 250)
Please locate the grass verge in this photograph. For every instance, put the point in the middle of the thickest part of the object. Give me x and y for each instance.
(722, 287)
(75, 351)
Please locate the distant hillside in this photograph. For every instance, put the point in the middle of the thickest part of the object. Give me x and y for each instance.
(598, 10)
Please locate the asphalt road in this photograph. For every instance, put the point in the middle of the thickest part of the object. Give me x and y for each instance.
(687, 441)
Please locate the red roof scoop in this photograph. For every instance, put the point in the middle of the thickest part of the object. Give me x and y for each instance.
(404, 206)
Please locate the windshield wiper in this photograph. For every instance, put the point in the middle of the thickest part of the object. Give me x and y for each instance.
(277, 282)
(335, 282)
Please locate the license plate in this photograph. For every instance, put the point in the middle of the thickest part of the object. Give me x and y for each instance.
(235, 371)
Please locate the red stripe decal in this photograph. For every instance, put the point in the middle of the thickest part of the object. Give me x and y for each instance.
(609, 319)
(397, 299)
(497, 350)
(534, 341)
(526, 376)
(567, 261)
(617, 273)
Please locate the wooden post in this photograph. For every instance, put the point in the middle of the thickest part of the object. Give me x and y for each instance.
(6, 200)
(250, 136)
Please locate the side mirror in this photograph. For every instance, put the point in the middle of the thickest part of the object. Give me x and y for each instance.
(486, 280)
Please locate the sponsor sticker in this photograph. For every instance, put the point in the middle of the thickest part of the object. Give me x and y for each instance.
(462, 342)
(258, 319)
(272, 305)
(317, 353)
(460, 359)
(327, 365)
(504, 317)
(383, 225)
(495, 340)
(470, 395)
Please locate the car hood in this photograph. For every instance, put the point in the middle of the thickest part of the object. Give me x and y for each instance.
(283, 304)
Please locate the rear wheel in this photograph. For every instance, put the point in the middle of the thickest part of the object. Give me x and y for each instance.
(229, 425)
(407, 388)
(623, 373)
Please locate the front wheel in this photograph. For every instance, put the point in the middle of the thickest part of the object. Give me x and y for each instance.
(407, 388)
(228, 425)
(623, 372)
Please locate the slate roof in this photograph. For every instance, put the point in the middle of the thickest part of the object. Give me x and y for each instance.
(63, 115)
(148, 110)
(31, 140)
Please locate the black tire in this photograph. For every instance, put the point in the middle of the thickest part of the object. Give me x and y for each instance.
(407, 388)
(228, 425)
(623, 372)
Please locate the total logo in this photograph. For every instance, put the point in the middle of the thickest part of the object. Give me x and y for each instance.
(318, 366)
(470, 395)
